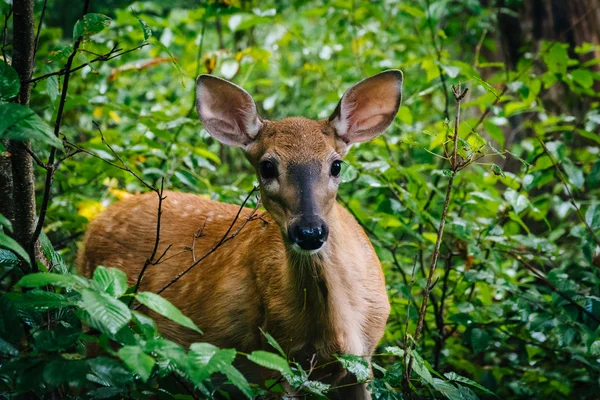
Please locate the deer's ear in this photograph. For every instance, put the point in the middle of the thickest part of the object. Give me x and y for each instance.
(227, 111)
(368, 108)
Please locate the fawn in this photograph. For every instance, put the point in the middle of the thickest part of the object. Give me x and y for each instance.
(305, 271)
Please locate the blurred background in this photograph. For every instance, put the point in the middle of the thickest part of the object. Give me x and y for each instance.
(516, 301)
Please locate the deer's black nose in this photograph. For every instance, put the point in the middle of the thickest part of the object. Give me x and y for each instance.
(309, 233)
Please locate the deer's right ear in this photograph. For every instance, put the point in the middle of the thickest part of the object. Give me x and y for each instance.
(227, 111)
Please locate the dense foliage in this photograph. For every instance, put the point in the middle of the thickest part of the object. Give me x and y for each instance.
(514, 308)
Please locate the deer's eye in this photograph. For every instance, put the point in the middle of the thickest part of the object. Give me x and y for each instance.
(336, 167)
(268, 170)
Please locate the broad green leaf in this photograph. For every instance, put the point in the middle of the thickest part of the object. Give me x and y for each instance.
(7, 348)
(8, 259)
(166, 309)
(356, 365)
(90, 25)
(110, 280)
(49, 278)
(110, 372)
(557, 58)
(480, 340)
(238, 380)
(18, 122)
(42, 300)
(11, 244)
(138, 361)
(420, 368)
(5, 222)
(9, 82)
(271, 340)
(271, 361)
(452, 376)
(58, 339)
(592, 216)
(108, 313)
(583, 77)
(574, 174)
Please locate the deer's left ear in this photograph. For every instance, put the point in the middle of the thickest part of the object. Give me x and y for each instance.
(368, 108)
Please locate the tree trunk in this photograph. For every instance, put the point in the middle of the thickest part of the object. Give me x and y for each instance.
(22, 164)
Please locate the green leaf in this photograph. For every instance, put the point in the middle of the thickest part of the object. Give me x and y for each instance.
(110, 372)
(18, 122)
(8, 259)
(414, 11)
(49, 278)
(480, 340)
(11, 244)
(42, 300)
(138, 361)
(592, 216)
(488, 88)
(271, 340)
(271, 361)
(9, 82)
(356, 365)
(60, 53)
(145, 28)
(420, 368)
(110, 280)
(166, 309)
(5, 222)
(238, 380)
(495, 132)
(575, 175)
(557, 58)
(452, 376)
(90, 25)
(106, 312)
(583, 77)
(60, 338)
(7, 348)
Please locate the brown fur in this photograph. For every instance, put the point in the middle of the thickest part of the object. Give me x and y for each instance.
(331, 302)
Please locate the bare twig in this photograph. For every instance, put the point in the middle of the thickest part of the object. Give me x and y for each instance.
(150, 260)
(113, 53)
(406, 343)
(455, 165)
(438, 53)
(226, 237)
(50, 167)
(39, 30)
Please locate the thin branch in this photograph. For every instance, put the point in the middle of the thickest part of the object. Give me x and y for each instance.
(458, 96)
(50, 164)
(39, 30)
(226, 237)
(113, 53)
(438, 53)
(406, 343)
(5, 32)
(566, 186)
(541, 277)
(150, 261)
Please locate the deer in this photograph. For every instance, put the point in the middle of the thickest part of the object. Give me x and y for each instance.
(305, 271)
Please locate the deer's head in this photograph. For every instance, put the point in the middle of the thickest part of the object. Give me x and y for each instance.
(298, 160)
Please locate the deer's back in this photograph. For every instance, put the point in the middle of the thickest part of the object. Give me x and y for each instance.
(124, 235)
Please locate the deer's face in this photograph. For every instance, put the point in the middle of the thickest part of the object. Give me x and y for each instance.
(298, 160)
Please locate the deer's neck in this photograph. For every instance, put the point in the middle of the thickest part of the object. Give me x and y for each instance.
(321, 294)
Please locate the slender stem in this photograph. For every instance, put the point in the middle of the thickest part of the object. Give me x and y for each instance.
(57, 124)
(569, 193)
(455, 165)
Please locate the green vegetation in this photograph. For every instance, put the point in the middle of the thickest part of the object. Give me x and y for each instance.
(513, 303)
